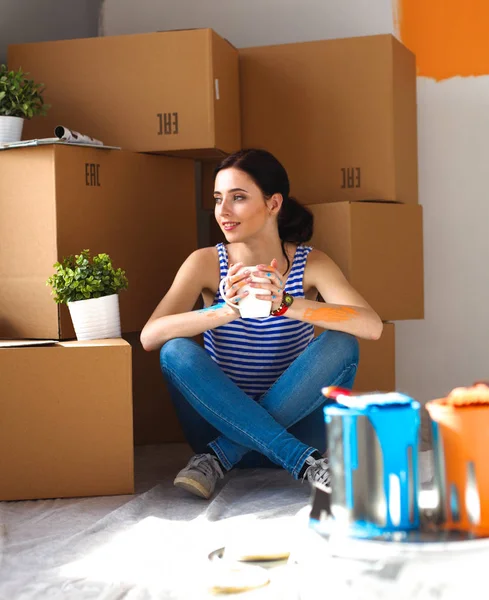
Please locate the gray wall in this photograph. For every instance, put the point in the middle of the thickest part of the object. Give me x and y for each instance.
(252, 22)
(42, 20)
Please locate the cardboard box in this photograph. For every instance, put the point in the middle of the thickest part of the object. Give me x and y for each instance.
(173, 91)
(207, 183)
(379, 248)
(339, 114)
(377, 366)
(57, 200)
(155, 420)
(66, 428)
(215, 232)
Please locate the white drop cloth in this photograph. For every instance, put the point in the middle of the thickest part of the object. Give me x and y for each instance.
(155, 544)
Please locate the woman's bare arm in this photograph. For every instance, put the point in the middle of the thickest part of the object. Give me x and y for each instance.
(174, 316)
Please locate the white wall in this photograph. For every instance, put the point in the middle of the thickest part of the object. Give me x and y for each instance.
(42, 20)
(252, 22)
(449, 347)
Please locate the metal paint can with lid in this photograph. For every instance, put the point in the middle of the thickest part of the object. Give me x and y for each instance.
(373, 456)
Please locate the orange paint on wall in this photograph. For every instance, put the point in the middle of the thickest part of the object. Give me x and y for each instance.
(450, 38)
(330, 315)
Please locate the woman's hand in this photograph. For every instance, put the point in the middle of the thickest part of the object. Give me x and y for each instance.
(234, 283)
(275, 283)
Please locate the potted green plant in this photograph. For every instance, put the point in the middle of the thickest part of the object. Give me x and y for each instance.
(20, 98)
(90, 288)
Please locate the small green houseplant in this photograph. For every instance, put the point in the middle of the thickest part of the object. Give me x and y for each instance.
(20, 98)
(90, 288)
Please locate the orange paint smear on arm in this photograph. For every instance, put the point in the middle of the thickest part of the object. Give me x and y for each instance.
(448, 37)
(214, 314)
(330, 315)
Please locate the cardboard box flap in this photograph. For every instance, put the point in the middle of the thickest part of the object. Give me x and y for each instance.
(112, 342)
(182, 29)
(225, 101)
(51, 141)
(109, 342)
(196, 29)
(25, 343)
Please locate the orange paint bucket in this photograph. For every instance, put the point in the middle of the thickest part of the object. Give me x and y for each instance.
(460, 425)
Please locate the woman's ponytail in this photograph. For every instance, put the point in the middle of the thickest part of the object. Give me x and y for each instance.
(295, 222)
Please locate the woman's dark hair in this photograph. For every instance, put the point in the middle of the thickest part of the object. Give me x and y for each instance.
(295, 221)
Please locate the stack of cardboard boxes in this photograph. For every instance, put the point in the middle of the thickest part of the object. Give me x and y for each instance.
(339, 114)
(71, 411)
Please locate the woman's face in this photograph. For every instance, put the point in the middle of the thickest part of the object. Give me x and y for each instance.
(241, 209)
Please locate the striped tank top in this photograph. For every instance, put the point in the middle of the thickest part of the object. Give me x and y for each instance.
(255, 352)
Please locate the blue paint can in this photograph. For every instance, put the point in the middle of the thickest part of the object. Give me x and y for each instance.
(373, 454)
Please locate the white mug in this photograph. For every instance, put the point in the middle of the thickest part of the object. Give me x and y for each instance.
(250, 307)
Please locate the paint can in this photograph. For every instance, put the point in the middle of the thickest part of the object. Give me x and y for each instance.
(373, 455)
(460, 424)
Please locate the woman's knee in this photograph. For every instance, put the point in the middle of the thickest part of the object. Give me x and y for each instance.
(175, 353)
(343, 345)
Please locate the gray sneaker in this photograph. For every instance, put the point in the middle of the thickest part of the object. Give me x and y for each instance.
(200, 475)
(317, 473)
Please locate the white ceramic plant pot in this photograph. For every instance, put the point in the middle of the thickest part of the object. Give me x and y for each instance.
(96, 318)
(10, 129)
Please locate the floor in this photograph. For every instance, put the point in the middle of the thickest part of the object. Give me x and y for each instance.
(155, 544)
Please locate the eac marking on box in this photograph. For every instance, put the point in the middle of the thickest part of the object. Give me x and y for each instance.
(92, 174)
(350, 177)
(167, 123)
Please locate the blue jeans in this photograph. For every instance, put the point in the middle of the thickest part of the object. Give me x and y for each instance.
(285, 424)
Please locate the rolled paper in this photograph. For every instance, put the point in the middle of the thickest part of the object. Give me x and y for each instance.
(73, 137)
